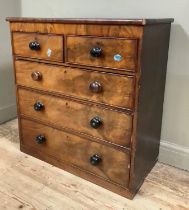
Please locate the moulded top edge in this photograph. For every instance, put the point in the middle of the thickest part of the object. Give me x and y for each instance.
(100, 21)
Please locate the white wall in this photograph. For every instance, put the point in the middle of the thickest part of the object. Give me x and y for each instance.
(175, 129)
(7, 92)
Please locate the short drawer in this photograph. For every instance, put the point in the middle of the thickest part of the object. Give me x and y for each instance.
(111, 89)
(40, 46)
(101, 160)
(93, 121)
(114, 53)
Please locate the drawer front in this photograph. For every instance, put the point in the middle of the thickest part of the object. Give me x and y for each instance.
(34, 45)
(115, 53)
(91, 120)
(98, 159)
(112, 89)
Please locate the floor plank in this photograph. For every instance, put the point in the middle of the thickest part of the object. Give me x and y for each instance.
(30, 184)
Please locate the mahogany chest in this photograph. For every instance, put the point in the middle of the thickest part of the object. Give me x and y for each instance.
(90, 95)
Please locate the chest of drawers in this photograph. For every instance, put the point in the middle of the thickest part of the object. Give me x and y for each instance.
(90, 95)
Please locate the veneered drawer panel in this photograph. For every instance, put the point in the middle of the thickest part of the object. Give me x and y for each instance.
(115, 127)
(77, 151)
(115, 53)
(50, 47)
(112, 89)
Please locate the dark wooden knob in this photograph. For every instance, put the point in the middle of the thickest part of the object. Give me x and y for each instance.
(34, 45)
(36, 76)
(95, 160)
(40, 139)
(38, 106)
(96, 52)
(95, 87)
(96, 122)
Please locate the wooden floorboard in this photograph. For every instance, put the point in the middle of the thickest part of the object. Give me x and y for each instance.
(30, 184)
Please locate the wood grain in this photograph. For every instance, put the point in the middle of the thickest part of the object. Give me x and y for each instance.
(72, 149)
(151, 97)
(117, 90)
(78, 52)
(30, 183)
(131, 119)
(128, 31)
(47, 42)
(116, 128)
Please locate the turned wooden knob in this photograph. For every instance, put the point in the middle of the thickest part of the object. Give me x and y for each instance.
(40, 139)
(95, 87)
(96, 122)
(96, 52)
(95, 159)
(36, 76)
(38, 106)
(34, 45)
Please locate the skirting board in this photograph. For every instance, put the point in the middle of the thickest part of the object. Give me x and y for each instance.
(7, 113)
(174, 155)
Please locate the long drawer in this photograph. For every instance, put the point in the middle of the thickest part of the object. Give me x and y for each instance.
(111, 89)
(105, 124)
(40, 46)
(93, 157)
